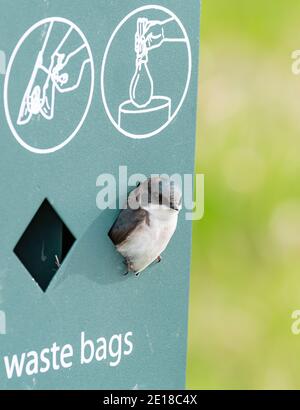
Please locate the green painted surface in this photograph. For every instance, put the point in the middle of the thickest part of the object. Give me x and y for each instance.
(88, 293)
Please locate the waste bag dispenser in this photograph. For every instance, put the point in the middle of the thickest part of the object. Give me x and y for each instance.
(95, 96)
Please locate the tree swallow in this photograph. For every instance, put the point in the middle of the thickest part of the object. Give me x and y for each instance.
(144, 228)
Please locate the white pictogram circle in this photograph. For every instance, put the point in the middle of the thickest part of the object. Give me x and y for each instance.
(85, 46)
(112, 118)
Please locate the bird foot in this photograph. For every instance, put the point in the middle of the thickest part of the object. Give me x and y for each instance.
(129, 266)
(159, 259)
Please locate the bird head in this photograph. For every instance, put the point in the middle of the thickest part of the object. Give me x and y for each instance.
(157, 194)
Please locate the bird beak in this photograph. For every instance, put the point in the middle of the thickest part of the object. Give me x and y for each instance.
(172, 206)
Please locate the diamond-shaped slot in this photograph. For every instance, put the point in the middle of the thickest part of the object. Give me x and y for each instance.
(44, 245)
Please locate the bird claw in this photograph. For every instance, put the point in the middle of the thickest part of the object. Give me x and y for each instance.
(129, 267)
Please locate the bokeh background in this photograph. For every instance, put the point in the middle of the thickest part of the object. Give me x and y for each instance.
(245, 280)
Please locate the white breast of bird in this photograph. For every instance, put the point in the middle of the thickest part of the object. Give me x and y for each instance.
(149, 240)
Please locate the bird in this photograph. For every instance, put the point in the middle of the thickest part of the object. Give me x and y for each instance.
(144, 228)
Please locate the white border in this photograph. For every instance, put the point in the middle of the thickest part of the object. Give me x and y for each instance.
(6, 83)
(138, 10)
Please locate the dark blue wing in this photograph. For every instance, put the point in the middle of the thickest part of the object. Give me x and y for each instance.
(127, 221)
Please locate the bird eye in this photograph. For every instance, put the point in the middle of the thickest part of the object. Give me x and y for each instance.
(160, 199)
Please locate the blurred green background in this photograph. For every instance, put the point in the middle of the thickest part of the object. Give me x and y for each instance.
(245, 274)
